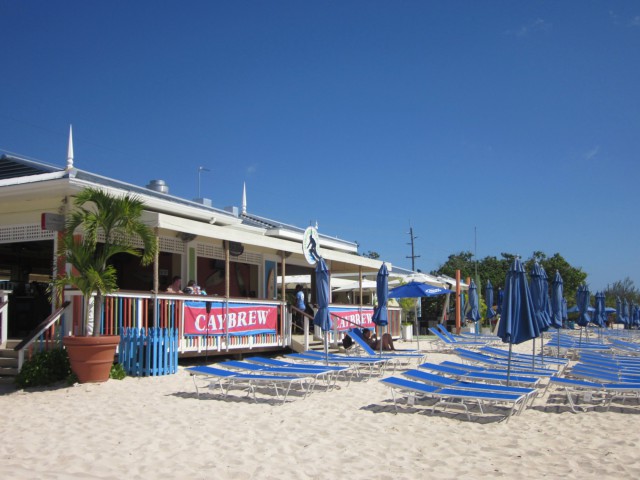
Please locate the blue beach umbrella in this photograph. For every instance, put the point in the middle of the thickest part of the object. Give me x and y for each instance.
(416, 290)
(540, 296)
(558, 304)
(625, 313)
(380, 313)
(499, 301)
(557, 292)
(619, 316)
(473, 312)
(518, 323)
(488, 295)
(323, 318)
(583, 298)
(599, 316)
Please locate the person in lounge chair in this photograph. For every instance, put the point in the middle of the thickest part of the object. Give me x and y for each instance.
(372, 340)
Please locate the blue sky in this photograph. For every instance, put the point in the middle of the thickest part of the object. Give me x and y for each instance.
(494, 126)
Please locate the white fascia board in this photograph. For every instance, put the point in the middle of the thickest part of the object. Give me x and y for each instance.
(32, 178)
(324, 241)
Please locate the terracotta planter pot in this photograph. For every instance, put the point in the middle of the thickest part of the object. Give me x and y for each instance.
(91, 357)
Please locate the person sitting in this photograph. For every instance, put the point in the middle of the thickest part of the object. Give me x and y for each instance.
(374, 343)
(176, 283)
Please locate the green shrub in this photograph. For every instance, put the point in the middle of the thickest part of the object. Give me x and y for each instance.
(44, 368)
(117, 372)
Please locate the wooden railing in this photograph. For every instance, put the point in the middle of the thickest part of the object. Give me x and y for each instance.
(47, 334)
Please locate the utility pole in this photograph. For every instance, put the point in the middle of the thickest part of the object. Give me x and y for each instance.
(413, 256)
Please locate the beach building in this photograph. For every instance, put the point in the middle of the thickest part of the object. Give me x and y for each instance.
(235, 256)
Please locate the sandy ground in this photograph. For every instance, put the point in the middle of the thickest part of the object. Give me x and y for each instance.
(159, 428)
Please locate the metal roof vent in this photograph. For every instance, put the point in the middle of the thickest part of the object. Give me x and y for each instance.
(158, 186)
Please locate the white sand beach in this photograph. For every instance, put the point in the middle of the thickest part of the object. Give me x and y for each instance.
(142, 428)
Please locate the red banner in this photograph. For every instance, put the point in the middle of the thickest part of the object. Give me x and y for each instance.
(237, 319)
(351, 317)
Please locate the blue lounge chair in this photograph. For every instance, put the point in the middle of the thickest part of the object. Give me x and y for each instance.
(328, 375)
(469, 375)
(515, 364)
(497, 369)
(358, 338)
(226, 379)
(375, 366)
(547, 360)
(468, 336)
(443, 381)
(454, 397)
(604, 393)
(448, 343)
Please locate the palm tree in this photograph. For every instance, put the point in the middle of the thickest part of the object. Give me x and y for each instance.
(118, 219)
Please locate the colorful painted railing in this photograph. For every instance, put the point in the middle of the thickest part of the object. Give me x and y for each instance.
(124, 310)
(149, 352)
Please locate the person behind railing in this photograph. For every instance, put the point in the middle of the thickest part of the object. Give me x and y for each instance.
(194, 289)
(176, 283)
(373, 342)
(299, 304)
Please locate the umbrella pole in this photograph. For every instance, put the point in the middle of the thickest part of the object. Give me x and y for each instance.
(509, 364)
(533, 356)
(326, 348)
(558, 343)
(415, 323)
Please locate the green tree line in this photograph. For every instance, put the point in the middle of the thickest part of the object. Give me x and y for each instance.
(495, 269)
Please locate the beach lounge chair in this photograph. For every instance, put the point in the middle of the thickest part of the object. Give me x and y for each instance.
(498, 369)
(600, 375)
(374, 366)
(470, 375)
(468, 337)
(225, 379)
(327, 375)
(515, 364)
(450, 344)
(547, 359)
(443, 381)
(589, 391)
(356, 335)
(453, 397)
(346, 371)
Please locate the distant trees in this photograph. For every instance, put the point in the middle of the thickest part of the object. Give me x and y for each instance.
(495, 270)
(624, 289)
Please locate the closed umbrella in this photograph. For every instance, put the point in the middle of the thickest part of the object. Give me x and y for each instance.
(323, 317)
(625, 312)
(473, 313)
(599, 316)
(540, 297)
(557, 304)
(619, 316)
(583, 299)
(380, 313)
(416, 290)
(517, 323)
(488, 295)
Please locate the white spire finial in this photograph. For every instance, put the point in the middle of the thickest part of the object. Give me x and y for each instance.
(70, 149)
(244, 198)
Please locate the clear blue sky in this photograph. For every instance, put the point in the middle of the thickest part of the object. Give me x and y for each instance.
(517, 120)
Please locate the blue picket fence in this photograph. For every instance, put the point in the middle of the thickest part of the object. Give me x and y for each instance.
(149, 353)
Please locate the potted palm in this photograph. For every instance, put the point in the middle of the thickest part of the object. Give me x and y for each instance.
(118, 220)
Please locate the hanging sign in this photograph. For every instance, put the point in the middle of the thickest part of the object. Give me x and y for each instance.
(311, 245)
